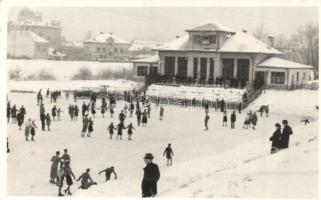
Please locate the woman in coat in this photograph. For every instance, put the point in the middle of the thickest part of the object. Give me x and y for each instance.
(69, 174)
(20, 119)
(120, 128)
(254, 120)
(14, 114)
(76, 112)
(54, 167)
(130, 128)
(111, 128)
(27, 128)
(54, 112)
(276, 139)
(144, 119)
(48, 121)
(33, 130)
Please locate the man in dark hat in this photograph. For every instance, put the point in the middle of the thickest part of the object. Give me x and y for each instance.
(151, 176)
(286, 132)
(108, 172)
(66, 157)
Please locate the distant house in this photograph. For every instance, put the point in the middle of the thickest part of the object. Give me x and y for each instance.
(72, 50)
(143, 48)
(27, 44)
(212, 51)
(106, 47)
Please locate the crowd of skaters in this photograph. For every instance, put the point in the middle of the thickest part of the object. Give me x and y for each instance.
(280, 140)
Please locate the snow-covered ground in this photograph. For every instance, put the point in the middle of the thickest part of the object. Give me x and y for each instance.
(35, 86)
(63, 70)
(218, 163)
(198, 93)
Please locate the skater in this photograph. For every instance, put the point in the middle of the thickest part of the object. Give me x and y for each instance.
(103, 107)
(33, 130)
(285, 137)
(233, 119)
(58, 113)
(84, 126)
(43, 119)
(86, 180)
(169, 153)
(108, 171)
(225, 119)
(60, 179)
(14, 114)
(93, 109)
(48, 121)
(8, 148)
(83, 109)
(111, 111)
(23, 112)
(28, 125)
(76, 112)
(261, 110)
(148, 110)
(131, 109)
(69, 175)
(144, 119)
(119, 128)
(207, 117)
(19, 120)
(122, 116)
(54, 112)
(71, 112)
(111, 128)
(130, 128)
(151, 176)
(90, 127)
(39, 97)
(54, 167)
(139, 116)
(247, 121)
(267, 111)
(276, 139)
(240, 107)
(42, 109)
(161, 112)
(8, 111)
(47, 94)
(254, 120)
(65, 159)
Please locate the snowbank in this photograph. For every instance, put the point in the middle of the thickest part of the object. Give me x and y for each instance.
(63, 70)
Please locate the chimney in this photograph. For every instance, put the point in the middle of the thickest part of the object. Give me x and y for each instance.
(177, 36)
(271, 41)
(244, 31)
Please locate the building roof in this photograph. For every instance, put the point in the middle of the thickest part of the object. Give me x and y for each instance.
(105, 37)
(246, 43)
(175, 45)
(151, 59)
(35, 37)
(138, 45)
(275, 62)
(53, 24)
(211, 27)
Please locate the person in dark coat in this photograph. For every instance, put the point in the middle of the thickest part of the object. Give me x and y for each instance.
(233, 119)
(76, 112)
(86, 180)
(131, 109)
(207, 117)
(48, 121)
(111, 128)
(84, 126)
(23, 112)
(151, 176)
(8, 112)
(240, 107)
(276, 139)
(169, 153)
(130, 128)
(108, 171)
(144, 118)
(90, 127)
(66, 157)
(225, 119)
(139, 116)
(122, 116)
(71, 112)
(286, 132)
(120, 128)
(161, 112)
(254, 120)
(83, 109)
(19, 120)
(222, 106)
(93, 109)
(54, 112)
(69, 175)
(54, 167)
(43, 119)
(14, 114)
(33, 130)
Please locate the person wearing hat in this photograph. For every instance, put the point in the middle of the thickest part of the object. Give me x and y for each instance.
(66, 157)
(108, 172)
(286, 132)
(151, 176)
(86, 180)
(276, 139)
(169, 153)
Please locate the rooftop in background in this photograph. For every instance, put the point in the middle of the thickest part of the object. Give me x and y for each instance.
(33, 36)
(152, 59)
(211, 27)
(143, 44)
(106, 37)
(282, 63)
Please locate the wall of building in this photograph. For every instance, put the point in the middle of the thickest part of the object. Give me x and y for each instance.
(20, 45)
(95, 51)
(147, 65)
(41, 50)
(52, 34)
(72, 53)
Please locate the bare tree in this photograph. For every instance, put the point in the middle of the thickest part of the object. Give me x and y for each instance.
(261, 33)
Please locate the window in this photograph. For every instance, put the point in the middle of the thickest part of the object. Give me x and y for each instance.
(195, 67)
(213, 39)
(297, 77)
(141, 70)
(205, 39)
(277, 77)
(196, 38)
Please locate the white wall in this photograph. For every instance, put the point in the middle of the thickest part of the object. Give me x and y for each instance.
(20, 44)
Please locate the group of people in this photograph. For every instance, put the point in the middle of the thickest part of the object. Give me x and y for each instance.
(281, 138)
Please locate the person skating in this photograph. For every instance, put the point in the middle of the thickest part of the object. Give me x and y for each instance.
(122, 116)
(161, 112)
(85, 123)
(261, 110)
(66, 157)
(8, 148)
(207, 117)
(58, 113)
(247, 121)
(54, 112)
(93, 109)
(48, 121)
(90, 127)
(19, 120)
(110, 129)
(267, 109)
(276, 139)
(33, 130)
(86, 180)
(169, 153)
(111, 111)
(225, 119)
(71, 112)
(60, 179)
(285, 137)
(233, 119)
(23, 112)
(240, 107)
(151, 176)
(139, 116)
(144, 118)
(119, 128)
(108, 171)
(28, 125)
(42, 120)
(130, 128)
(55, 160)
(68, 175)
(14, 114)
(131, 109)
(42, 109)
(8, 112)
(103, 107)
(83, 109)
(254, 120)
(148, 109)
(76, 112)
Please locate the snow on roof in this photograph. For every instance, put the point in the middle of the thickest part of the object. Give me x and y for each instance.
(209, 26)
(151, 59)
(29, 22)
(282, 63)
(33, 36)
(246, 43)
(177, 44)
(104, 37)
(78, 44)
(141, 44)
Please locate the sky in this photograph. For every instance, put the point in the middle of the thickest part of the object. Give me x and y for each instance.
(164, 23)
